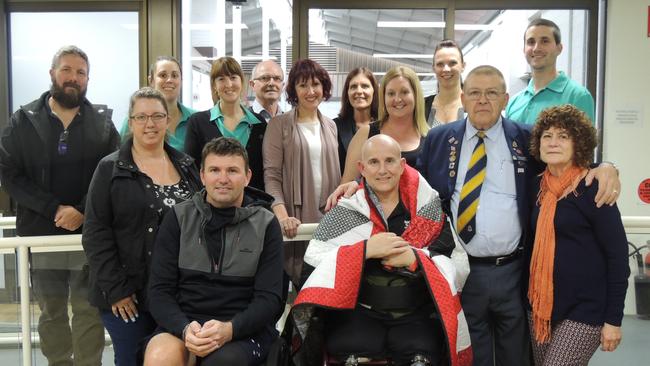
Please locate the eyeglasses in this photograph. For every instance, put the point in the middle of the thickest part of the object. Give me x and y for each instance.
(267, 78)
(490, 94)
(62, 147)
(155, 118)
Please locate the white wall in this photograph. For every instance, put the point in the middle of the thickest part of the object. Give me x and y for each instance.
(626, 88)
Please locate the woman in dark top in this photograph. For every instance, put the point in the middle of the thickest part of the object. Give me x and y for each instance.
(229, 118)
(130, 192)
(359, 104)
(448, 64)
(578, 265)
(401, 116)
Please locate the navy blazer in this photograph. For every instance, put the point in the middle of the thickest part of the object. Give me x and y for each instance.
(438, 162)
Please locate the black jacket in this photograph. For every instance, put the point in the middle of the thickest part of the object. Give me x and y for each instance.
(346, 128)
(428, 103)
(25, 161)
(200, 131)
(122, 219)
(223, 264)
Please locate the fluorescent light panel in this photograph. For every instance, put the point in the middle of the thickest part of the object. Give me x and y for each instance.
(243, 58)
(400, 55)
(418, 73)
(386, 24)
(204, 26)
(407, 24)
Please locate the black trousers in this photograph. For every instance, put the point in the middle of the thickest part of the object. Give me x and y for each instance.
(243, 352)
(367, 333)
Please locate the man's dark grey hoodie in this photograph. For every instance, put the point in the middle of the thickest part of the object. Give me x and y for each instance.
(223, 264)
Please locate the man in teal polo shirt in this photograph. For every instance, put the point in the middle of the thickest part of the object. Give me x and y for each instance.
(548, 87)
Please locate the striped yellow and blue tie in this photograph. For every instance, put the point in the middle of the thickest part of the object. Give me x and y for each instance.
(469, 194)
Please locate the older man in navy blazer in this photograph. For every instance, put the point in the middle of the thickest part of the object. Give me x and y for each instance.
(497, 226)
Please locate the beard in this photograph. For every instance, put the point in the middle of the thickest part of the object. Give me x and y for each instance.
(69, 99)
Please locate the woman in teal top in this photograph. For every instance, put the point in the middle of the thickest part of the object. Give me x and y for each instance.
(165, 76)
(229, 118)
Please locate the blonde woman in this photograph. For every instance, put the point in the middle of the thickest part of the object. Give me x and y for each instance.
(401, 116)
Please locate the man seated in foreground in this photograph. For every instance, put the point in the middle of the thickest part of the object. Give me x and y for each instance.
(216, 273)
(379, 265)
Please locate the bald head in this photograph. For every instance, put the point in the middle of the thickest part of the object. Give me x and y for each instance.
(265, 66)
(380, 142)
(267, 81)
(382, 165)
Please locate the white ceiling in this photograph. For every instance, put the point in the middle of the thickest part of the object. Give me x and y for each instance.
(350, 29)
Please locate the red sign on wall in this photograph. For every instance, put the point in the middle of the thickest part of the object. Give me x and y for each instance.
(644, 191)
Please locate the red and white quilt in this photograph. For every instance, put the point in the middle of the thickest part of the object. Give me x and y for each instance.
(337, 253)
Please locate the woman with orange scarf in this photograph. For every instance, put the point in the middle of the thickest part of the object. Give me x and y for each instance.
(578, 265)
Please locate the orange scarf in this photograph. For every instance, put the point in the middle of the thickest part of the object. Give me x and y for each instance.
(540, 285)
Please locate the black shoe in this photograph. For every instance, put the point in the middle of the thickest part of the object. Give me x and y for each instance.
(420, 360)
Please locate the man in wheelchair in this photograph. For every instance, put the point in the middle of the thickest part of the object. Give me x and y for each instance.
(379, 279)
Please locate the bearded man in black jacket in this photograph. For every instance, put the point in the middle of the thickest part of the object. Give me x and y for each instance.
(48, 154)
(216, 275)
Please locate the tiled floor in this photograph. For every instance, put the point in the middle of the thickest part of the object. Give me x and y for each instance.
(13, 356)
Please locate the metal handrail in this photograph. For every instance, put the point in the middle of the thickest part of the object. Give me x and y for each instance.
(55, 243)
(636, 222)
(8, 222)
(305, 231)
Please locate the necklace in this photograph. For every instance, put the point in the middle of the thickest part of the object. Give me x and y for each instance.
(152, 167)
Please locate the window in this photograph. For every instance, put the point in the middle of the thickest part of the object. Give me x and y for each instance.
(110, 39)
(250, 32)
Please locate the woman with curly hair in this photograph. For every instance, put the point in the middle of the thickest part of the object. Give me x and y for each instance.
(578, 261)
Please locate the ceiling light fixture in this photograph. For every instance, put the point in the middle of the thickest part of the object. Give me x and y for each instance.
(400, 55)
(211, 26)
(408, 24)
